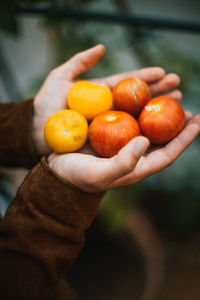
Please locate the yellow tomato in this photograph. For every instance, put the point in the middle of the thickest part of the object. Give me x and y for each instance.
(89, 99)
(66, 131)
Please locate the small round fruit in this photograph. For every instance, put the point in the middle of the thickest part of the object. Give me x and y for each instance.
(89, 99)
(161, 120)
(111, 131)
(131, 94)
(66, 131)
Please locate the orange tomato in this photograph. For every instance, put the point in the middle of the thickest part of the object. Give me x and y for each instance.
(89, 99)
(131, 94)
(66, 131)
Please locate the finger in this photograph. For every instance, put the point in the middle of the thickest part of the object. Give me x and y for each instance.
(188, 116)
(147, 74)
(176, 94)
(174, 148)
(166, 84)
(195, 120)
(125, 161)
(83, 61)
(150, 74)
(161, 158)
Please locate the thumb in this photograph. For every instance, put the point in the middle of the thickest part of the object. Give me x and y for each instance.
(125, 161)
(83, 61)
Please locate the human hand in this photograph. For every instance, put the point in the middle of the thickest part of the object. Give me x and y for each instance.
(53, 93)
(129, 166)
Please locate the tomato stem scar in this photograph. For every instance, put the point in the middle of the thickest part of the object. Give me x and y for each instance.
(66, 131)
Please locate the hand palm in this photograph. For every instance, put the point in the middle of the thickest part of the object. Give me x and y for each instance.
(91, 173)
(88, 171)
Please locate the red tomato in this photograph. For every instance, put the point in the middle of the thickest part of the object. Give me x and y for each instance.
(161, 120)
(112, 130)
(131, 94)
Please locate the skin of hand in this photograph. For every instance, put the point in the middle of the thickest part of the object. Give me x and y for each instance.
(52, 96)
(133, 163)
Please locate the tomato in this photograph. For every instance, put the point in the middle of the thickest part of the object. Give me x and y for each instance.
(89, 99)
(111, 131)
(161, 120)
(131, 94)
(66, 131)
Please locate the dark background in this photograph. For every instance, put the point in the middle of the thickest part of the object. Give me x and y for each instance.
(144, 243)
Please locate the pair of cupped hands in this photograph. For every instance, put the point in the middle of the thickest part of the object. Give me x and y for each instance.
(135, 161)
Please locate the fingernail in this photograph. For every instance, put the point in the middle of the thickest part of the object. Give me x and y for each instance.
(140, 147)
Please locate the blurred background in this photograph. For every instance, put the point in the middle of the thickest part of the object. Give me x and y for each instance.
(145, 241)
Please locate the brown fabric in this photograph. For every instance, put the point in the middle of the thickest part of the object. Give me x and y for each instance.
(42, 232)
(64, 291)
(16, 144)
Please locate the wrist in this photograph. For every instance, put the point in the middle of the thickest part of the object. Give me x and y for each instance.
(38, 132)
(41, 146)
(55, 162)
(77, 179)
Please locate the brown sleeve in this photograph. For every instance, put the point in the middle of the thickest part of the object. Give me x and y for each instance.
(16, 144)
(42, 234)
